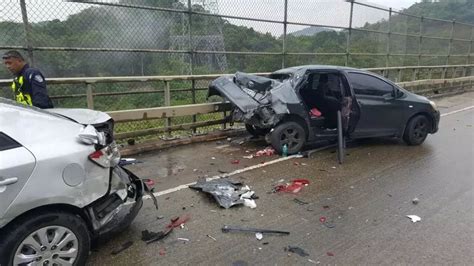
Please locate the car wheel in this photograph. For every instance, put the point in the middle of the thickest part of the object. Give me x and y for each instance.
(417, 130)
(256, 131)
(289, 133)
(53, 238)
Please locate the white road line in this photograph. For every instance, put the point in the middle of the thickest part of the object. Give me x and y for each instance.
(457, 111)
(253, 167)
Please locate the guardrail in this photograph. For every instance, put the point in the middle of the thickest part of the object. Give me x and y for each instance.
(428, 80)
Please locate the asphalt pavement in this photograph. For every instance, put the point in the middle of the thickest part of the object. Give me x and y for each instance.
(355, 213)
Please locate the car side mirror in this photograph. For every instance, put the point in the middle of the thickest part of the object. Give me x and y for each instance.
(389, 96)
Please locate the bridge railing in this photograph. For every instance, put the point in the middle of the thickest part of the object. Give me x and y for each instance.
(147, 106)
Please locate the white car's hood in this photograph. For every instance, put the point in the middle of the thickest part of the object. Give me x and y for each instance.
(82, 116)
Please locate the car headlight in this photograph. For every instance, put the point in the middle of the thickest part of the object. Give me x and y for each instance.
(433, 104)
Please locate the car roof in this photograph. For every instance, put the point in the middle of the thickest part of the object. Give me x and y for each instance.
(290, 70)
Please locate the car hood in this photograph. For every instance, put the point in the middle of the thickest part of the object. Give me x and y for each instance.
(82, 116)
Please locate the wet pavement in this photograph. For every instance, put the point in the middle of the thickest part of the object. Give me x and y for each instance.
(356, 212)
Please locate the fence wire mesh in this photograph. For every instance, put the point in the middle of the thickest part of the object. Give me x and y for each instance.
(83, 38)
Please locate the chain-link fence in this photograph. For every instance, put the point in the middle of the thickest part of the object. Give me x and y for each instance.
(188, 37)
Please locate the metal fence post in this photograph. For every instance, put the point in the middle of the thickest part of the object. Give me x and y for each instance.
(387, 59)
(285, 26)
(348, 43)
(190, 37)
(27, 27)
(450, 42)
(193, 95)
(168, 103)
(420, 41)
(468, 60)
(90, 96)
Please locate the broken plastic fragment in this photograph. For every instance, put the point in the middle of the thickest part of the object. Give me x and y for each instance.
(295, 186)
(415, 201)
(259, 236)
(414, 218)
(297, 250)
(250, 203)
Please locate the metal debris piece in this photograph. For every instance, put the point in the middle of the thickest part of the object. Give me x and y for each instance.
(300, 202)
(229, 228)
(122, 248)
(297, 250)
(414, 218)
(225, 191)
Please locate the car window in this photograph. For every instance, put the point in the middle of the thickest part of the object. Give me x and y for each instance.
(368, 85)
(7, 143)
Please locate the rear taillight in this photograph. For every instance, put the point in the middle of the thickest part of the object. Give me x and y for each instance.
(108, 156)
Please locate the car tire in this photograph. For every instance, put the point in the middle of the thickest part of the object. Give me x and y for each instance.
(290, 133)
(71, 230)
(417, 130)
(256, 131)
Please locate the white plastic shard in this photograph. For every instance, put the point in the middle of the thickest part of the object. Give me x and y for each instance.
(414, 218)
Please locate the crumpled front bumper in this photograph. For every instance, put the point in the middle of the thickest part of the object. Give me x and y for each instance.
(437, 118)
(118, 208)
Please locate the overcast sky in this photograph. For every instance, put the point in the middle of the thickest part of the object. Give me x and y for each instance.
(324, 12)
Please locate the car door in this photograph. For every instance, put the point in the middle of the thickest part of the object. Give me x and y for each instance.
(379, 111)
(16, 165)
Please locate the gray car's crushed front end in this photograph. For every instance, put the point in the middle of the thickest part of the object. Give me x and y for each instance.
(259, 101)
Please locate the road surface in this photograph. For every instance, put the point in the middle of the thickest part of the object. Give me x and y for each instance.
(364, 203)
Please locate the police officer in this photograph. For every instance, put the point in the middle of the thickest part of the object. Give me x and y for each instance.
(29, 86)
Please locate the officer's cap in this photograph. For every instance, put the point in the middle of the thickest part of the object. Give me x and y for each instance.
(12, 54)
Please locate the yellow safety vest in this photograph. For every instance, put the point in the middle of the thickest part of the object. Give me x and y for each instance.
(21, 97)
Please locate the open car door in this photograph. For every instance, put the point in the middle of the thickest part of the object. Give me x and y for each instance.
(347, 118)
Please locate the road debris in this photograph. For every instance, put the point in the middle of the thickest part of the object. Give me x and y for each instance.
(183, 239)
(162, 251)
(414, 218)
(211, 237)
(122, 248)
(322, 219)
(297, 250)
(314, 262)
(330, 254)
(415, 201)
(300, 202)
(235, 161)
(227, 192)
(229, 228)
(259, 236)
(248, 156)
(294, 187)
(150, 236)
(265, 152)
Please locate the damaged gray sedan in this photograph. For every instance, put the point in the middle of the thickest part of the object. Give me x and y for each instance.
(299, 105)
